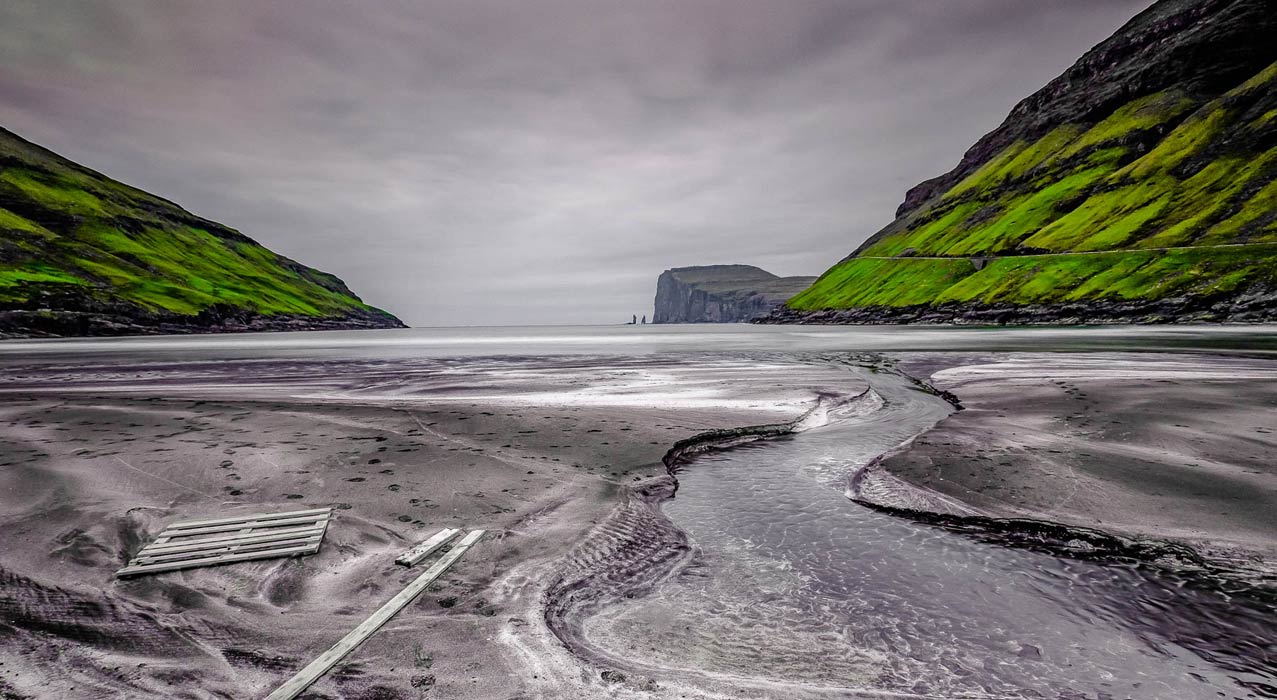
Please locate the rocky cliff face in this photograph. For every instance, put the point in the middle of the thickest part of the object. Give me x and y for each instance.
(82, 254)
(721, 293)
(1139, 186)
(1203, 47)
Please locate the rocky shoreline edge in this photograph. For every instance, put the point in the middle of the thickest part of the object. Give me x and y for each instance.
(45, 323)
(1255, 306)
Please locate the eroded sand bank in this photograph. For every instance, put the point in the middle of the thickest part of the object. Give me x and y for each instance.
(1165, 446)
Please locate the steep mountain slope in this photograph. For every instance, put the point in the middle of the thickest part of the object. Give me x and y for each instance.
(82, 254)
(721, 293)
(1140, 185)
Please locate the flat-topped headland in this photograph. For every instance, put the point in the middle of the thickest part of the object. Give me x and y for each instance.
(721, 293)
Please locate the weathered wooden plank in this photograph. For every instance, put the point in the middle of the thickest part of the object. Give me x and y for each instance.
(211, 561)
(317, 668)
(251, 524)
(185, 545)
(148, 558)
(430, 546)
(254, 535)
(223, 540)
(260, 517)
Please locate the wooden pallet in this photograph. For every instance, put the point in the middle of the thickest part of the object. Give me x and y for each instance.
(225, 540)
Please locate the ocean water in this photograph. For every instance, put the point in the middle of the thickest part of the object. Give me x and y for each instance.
(645, 340)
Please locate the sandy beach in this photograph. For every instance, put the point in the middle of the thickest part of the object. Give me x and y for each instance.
(559, 458)
(96, 460)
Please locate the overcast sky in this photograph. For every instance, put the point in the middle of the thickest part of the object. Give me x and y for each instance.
(475, 162)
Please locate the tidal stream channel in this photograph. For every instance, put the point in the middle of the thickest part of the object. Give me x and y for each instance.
(791, 586)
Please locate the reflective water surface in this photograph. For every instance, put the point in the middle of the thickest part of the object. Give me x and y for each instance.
(796, 582)
(647, 339)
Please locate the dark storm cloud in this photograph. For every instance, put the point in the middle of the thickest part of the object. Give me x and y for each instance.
(505, 162)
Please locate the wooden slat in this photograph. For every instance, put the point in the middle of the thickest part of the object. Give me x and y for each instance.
(430, 546)
(265, 536)
(142, 559)
(317, 668)
(210, 561)
(259, 517)
(246, 525)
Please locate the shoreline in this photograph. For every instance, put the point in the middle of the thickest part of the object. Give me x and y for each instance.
(28, 324)
(1250, 308)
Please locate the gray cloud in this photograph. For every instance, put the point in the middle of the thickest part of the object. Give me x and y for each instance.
(488, 162)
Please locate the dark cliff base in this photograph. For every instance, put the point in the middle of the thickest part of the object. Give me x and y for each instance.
(45, 323)
(1254, 307)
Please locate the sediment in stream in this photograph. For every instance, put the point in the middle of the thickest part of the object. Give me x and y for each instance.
(638, 547)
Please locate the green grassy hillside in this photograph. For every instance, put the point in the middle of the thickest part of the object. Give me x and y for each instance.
(1168, 195)
(82, 252)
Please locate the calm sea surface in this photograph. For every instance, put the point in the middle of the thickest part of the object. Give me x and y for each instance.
(649, 339)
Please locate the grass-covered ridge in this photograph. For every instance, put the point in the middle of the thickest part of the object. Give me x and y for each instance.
(1042, 279)
(72, 239)
(1167, 195)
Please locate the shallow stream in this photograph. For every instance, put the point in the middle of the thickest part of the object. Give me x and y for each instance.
(795, 584)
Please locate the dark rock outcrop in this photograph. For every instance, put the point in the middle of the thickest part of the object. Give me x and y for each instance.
(64, 323)
(721, 293)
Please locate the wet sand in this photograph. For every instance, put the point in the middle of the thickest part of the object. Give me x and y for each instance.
(560, 459)
(95, 460)
(1175, 447)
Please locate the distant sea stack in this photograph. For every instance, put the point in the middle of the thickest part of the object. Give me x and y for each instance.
(82, 254)
(721, 293)
(1140, 186)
